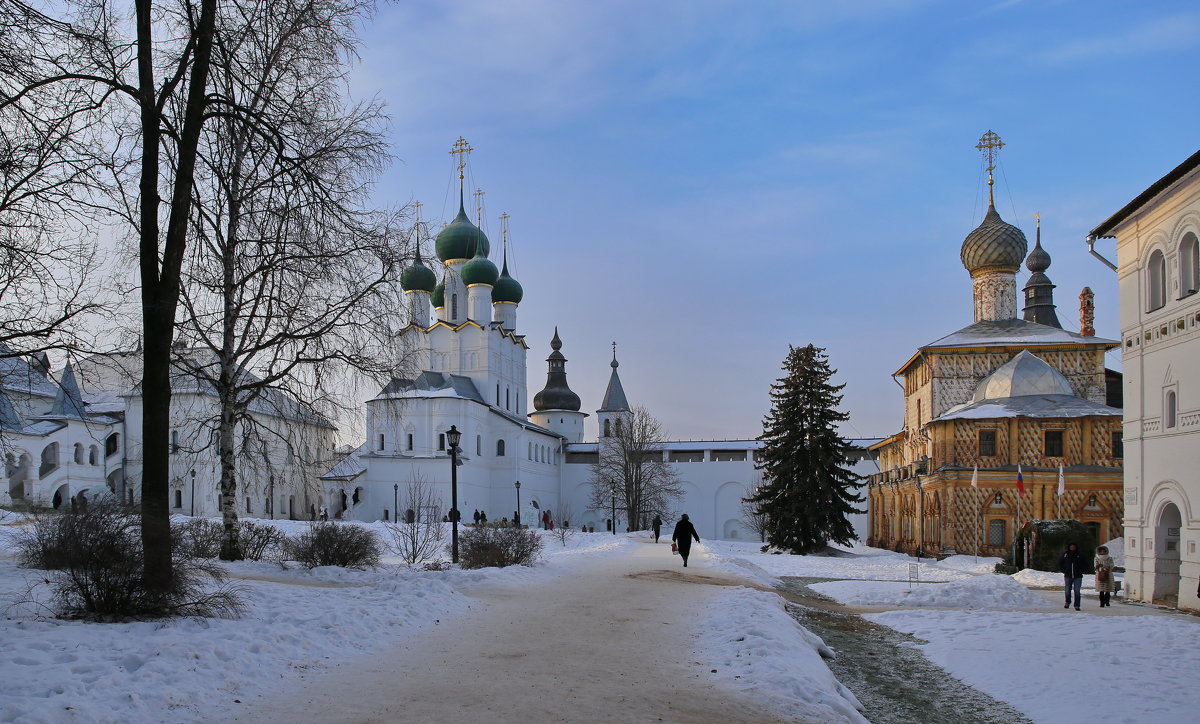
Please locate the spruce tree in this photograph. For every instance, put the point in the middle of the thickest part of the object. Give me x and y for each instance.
(808, 486)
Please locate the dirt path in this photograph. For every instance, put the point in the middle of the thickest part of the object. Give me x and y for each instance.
(607, 642)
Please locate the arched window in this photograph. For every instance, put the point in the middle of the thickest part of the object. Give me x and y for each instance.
(49, 460)
(618, 426)
(529, 451)
(1189, 265)
(607, 429)
(381, 442)
(93, 455)
(479, 444)
(1169, 412)
(78, 454)
(1156, 280)
(111, 443)
(453, 306)
(174, 441)
(499, 448)
(507, 399)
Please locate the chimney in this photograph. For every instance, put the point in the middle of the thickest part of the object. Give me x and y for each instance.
(1087, 313)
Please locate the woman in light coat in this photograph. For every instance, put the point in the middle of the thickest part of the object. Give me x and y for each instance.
(1104, 562)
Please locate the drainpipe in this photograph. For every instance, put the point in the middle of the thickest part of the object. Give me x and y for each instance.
(1091, 242)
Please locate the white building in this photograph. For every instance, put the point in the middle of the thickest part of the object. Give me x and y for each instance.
(465, 336)
(1158, 267)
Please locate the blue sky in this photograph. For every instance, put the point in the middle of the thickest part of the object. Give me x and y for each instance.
(708, 182)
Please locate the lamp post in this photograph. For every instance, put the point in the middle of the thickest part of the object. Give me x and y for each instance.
(614, 513)
(453, 436)
(395, 502)
(517, 517)
(193, 513)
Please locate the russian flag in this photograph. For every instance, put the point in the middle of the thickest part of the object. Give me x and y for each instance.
(1020, 482)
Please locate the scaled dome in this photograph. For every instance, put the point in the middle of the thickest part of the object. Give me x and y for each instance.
(507, 289)
(461, 239)
(994, 243)
(418, 278)
(1025, 374)
(480, 270)
(438, 298)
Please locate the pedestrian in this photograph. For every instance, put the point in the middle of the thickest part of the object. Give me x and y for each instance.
(682, 537)
(1105, 585)
(475, 517)
(312, 511)
(551, 525)
(545, 519)
(657, 523)
(1072, 564)
(482, 517)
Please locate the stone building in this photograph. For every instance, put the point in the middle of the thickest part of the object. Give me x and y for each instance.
(1003, 404)
(1158, 268)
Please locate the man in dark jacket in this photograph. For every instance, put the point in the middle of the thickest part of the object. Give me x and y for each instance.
(683, 535)
(1072, 566)
(657, 523)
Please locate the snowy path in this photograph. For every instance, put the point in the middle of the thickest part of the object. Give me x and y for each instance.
(607, 641)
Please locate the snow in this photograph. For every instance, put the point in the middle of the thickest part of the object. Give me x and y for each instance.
(1067, 668)
(859, 561)
(991, 592)
(754, 645)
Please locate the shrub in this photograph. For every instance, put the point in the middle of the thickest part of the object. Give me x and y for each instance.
(198, 537)
(97, 558)
(260, 541)
(1005, 569)
(487, 547)
(335, 544)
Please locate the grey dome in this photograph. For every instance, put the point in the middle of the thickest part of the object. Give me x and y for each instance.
(1025, 374)
(994, 244)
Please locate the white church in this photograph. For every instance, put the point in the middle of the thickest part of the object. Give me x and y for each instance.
(473, 359)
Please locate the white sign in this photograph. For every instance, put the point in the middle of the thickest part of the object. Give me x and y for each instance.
(914, 573)
(1131, 496)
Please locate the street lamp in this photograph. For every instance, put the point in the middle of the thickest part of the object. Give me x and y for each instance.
(614, 513)
(453, 436)
(395, 502)
(517, 517)
(193, 513)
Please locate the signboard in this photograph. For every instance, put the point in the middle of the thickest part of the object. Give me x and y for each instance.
(1131, 496)
(914, 573)
(1172, 532)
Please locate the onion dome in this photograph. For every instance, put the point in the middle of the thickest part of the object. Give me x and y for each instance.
(418, 277)
(1039, 260)
(438, 298)
(557, 395)
(461, 239)
(994, 244)
(507, 289)
(480, 270)
(1025, 374)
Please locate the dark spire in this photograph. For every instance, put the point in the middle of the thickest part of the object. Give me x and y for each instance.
(557, 394)
(69, 401)
(1039, 291)
(614, 396)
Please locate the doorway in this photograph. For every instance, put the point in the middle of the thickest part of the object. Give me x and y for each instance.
(1166, 556)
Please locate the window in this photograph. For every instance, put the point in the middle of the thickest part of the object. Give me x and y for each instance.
(49, 460)
(381, 441)
(174, 441)
(998, 501)
(1189, 265)
(78, 454)
(1118, 445)
(497, 394)
(607, 429)
(996, 533)
(111, 443)
(1054, 443)
(178, 498)
(529, 450)
(1092, 503)
(987, 443)
(409, 442)
(479, 444)
(249, 508)
(507, 401)
(1169, 412)
(500, 449)
(1156, 280)
(618, 426)
(93, 455)
(441, 441)
(453, 307)
(267, 505)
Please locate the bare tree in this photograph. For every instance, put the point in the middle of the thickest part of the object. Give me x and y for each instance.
(631, 466)
(754, 519)
(417, 533)
(563, 530)
(291, 280)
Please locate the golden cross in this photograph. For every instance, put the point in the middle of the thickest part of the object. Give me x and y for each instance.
(417, 208)
(461, 149)
(504, 228)
(990, 144)
(479, 207)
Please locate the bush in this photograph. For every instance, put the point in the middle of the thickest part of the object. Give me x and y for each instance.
(335, 544)
(97, 556)
(488, 547)
(1005, 569)
(198, 537)
(260, 542)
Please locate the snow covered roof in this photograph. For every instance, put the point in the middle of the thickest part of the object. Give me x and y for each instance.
(348, 467)
(855, 442)
(1010, 332)
(1024, 374)
(432, 384)
(18, 375)
(1029, 406)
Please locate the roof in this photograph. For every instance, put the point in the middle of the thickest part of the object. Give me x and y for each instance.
(432, 384)
(854, 442)
(1024, 374)
(614, 396)
(1012, 332)
(348, 467)
(1183, 169)
(1043, 406)
(18, 375)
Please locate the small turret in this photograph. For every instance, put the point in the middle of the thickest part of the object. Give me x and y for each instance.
(557, 406)
(1039, 291)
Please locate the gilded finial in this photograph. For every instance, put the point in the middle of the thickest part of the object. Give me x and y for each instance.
(479, 207)
(461, 149)
(990, 144)
(417, 210)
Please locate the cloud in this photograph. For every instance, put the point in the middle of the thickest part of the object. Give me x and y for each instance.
(1160, 35)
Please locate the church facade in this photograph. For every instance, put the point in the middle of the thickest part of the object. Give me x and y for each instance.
(1007, 420)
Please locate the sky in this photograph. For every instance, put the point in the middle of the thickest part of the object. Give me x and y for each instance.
(707, 182)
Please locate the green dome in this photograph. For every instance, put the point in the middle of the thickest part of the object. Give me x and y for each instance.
(461, 239)
(439, 296)
(507, 289)
(480, 270)
(418, 277)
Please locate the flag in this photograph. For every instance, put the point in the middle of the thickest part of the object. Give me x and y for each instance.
(1020, 482)
(975, 478)
(1062, 480)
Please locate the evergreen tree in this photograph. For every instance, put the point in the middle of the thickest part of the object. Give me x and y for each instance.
(808, 487)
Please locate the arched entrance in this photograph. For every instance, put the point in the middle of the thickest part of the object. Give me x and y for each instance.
(1166, 555)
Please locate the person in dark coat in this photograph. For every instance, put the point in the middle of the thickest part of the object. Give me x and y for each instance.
(1072, 566)
(475, 517)
(683, 535)
(657, 523)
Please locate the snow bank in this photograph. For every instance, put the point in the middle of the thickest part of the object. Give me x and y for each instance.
(859, 561)
(1134, 668)
(735, 566)
(981, 592)
(753, 645)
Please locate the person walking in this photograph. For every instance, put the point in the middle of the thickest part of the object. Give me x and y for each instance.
(1105, 585)
(475, 517)
(682, 537)
(1071, 564)
(657, 523)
